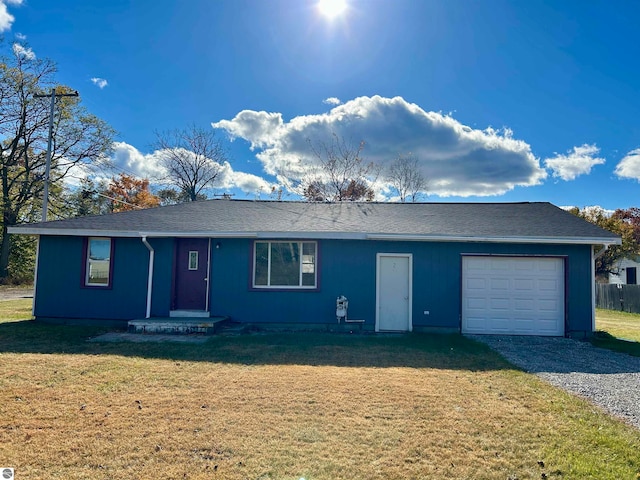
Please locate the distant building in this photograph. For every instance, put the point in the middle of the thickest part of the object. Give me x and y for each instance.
(627, 272)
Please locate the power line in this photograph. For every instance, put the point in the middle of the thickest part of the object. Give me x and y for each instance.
(45, 200)
(95, 192)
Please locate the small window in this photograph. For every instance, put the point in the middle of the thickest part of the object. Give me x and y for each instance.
(98, 266)
(193, 260)
(285, 265)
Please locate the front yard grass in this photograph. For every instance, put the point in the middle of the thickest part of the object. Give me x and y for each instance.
(290, 406)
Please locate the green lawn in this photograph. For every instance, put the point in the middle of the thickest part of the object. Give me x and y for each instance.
(289, 406)
(618, 331)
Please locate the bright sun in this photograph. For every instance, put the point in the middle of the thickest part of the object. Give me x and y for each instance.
(332, 8)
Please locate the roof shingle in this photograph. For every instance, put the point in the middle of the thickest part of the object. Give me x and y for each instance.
(264, 218)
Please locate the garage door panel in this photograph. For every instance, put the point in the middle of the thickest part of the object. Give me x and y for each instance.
(513, 295)
(475, 303)
(524, 325)
(550, 285)
(498, 266)
(550, 266)
(499, 303)
(548, 306)
(500, 284)
(474, 283)
(524, 304)
(526, 284)
(476, 324)
(524, 265)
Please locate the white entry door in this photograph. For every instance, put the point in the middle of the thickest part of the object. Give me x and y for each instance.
(393, 293)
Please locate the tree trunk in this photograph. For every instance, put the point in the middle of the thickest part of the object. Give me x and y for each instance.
(4, 246)
(4, 252)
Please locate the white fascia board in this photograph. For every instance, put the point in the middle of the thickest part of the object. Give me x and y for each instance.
(198, 234)
(543, 240)
(67, 232)
(138, 234)
(25, 230)
(313, 235)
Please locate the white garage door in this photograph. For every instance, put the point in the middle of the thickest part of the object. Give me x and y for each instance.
(513, 295)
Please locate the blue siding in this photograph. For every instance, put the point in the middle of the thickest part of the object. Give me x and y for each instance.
(344, 267)
(162, 276)
(60, 292)
(349, 268)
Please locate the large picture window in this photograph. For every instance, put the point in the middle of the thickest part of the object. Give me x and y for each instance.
(98, 266)
(285, 265)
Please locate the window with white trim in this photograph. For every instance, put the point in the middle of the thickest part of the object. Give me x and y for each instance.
(193, 260)
(98, 266)
(280, 264)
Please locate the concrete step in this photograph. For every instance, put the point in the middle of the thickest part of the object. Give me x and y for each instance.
(188, 314)
(177, 325)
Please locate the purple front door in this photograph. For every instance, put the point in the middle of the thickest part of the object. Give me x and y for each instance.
(192, 261)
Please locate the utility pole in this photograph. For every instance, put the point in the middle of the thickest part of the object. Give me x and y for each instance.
(47, 171)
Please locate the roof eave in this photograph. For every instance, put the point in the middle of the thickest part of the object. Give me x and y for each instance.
(27, 230)
(498, 239)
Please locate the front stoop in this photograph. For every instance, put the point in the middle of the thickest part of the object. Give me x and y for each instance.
(177, 325)
(188, 314)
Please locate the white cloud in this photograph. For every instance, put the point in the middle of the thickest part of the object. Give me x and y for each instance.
(246, 182)
(124, 159)
(20, 37)
(578, 161)
(629, 166)
(22, 51)
(258, 128)
(332, 101)
(592, 211)
(6, 19)
(99, 82)
(129, 159)
(455, 159)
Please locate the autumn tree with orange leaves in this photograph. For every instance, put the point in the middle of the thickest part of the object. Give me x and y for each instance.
(130, 193)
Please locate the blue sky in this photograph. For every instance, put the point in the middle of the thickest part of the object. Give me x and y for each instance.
(499, 101)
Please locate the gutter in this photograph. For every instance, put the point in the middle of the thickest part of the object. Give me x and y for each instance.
(150, 277)
(26, 230)
(601, 252)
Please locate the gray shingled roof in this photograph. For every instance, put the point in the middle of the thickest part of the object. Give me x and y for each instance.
(488, 221)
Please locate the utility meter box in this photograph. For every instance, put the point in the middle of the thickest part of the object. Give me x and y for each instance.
(342, 304)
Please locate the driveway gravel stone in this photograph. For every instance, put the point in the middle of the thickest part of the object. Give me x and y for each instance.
(608, 379)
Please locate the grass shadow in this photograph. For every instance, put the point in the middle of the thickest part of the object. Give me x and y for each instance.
(605, 340)
(439, 351)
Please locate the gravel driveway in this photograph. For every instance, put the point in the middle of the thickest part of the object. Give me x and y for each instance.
(608, 379)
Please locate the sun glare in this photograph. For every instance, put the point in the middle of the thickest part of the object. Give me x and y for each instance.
(332, 8)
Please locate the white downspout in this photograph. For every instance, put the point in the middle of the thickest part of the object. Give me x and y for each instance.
(208, 275)
(594, 257)
(35, 276)
(150, 277)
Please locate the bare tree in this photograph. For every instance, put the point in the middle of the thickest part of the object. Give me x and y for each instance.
(79, 138)
(194, 159)
(405, 177)
(342, 173)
